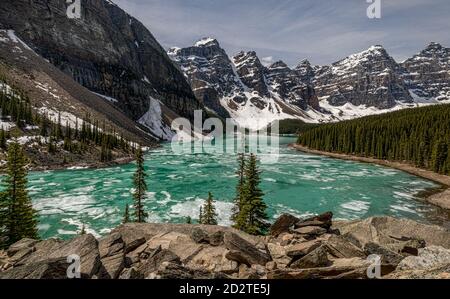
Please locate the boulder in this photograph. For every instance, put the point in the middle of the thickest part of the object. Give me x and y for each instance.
(324, 220)
(112, 266)
(21, 245)
(199, 236)
(278, 254)
(111, 245)
(156, 259)
(283, 224)
(302, 249)
(315, 259)
(387, 230)
(311, 231)
(131, 273)
(340, 247)
(216, 239)
(84, 246)
(169, 270)
(429, 258)
(389, 259)
(55, 268)
(342, 268)
(243, 251)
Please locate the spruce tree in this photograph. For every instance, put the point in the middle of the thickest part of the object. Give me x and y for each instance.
(200, 216)
(253, 216)
(19, 219)
(209, 215)
(126, 215)
(188, 220)
(239, 187)
(140, 187)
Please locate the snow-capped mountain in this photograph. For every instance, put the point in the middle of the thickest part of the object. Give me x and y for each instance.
(241, 87)
(428, 73)
(370, 78)
(365, 83)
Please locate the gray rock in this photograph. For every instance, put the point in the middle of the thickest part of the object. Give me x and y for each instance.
(154, 262)
(340, 247)
(389, 259)
(20, 246)
(302, 249)
(216, 239)
(243, 251)
(84, 246)
(381, 230)
(315, 259)
(200, 236)
(311, 231)
(47, 269)
(112, 266)
(110, 245)
(325, 220)
(429, 258)
(283, 224)
(131, 273)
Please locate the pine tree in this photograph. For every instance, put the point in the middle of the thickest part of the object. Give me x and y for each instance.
(200, 216)
(19, 219)
(209, 215)
(126, 215)
(188, 220)
(140, 187)
(239, 187)
(253, 217)
(83, 230)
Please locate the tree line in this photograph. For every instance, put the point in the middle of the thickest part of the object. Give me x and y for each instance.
(86, 132)
(419, 136)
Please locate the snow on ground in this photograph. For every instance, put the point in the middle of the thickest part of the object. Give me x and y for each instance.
(110, 99)
(6, 125)
(154, 122)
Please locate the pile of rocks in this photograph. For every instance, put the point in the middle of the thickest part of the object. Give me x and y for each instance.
(294, 249)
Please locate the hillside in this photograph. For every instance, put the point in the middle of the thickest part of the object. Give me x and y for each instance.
(108, 52)
(419, 136)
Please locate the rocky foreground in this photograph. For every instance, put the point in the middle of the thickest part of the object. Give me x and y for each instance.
(312, 248)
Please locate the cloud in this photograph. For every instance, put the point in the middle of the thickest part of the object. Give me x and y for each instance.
(266, 61)
(291, 30)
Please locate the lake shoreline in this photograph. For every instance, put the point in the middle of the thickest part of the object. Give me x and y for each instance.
(436, 196)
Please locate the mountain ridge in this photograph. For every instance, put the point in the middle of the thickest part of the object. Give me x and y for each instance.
(364, 83)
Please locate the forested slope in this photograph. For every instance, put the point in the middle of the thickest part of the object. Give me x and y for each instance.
(420, 136)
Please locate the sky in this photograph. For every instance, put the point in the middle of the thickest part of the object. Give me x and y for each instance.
(322, 31)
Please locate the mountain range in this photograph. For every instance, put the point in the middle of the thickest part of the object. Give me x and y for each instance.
(121, 72)
(369, 82)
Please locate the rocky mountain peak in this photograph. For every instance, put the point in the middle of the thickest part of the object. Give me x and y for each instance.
(251, 71)
(279, 65)
(207, 42)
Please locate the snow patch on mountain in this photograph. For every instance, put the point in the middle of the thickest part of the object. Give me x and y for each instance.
(153, 120)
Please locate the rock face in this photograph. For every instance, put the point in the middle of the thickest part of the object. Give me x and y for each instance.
(241, 87)
(428, 73)
(107, 51)
(369, 82)
(368, 78)
(183, 251)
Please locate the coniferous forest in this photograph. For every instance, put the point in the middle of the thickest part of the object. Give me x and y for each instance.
(419, 136)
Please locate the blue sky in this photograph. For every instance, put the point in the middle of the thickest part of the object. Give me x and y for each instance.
(322, 31)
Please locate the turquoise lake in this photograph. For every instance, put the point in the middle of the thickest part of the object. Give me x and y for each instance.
(300, 184)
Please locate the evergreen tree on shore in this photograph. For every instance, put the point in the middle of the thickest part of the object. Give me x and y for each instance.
(209, 215)
(239, 187)
(252, 217)
(140, 188)
(17, 216)
(419, 136)
(126, 215)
